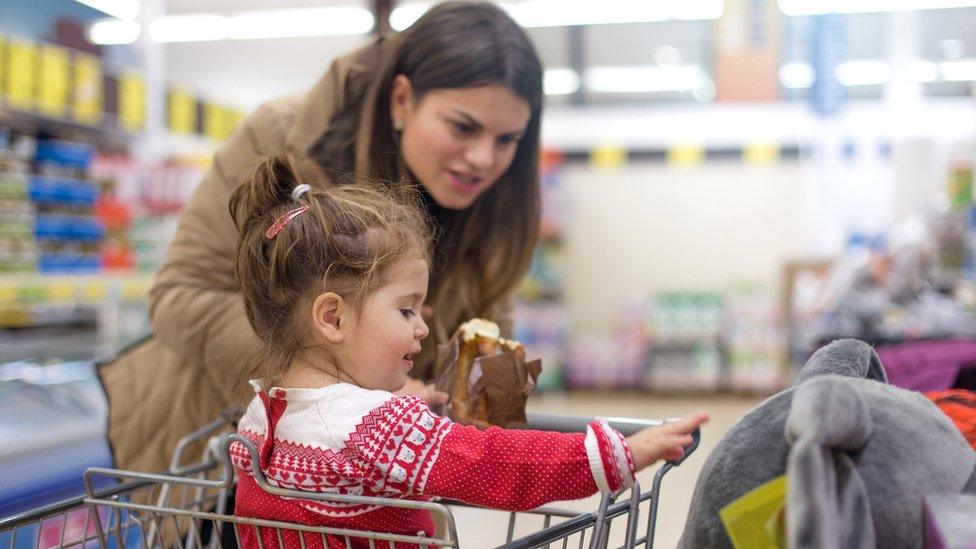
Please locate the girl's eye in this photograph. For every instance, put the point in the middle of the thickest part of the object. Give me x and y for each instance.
(407, 313)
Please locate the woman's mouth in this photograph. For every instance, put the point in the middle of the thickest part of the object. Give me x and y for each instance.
(463, 182)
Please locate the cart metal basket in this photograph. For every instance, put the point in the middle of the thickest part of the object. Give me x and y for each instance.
(187, 507)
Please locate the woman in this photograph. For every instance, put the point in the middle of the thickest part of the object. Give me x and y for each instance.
(452, 105)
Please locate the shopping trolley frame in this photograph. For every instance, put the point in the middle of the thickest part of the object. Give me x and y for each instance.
(115, 511)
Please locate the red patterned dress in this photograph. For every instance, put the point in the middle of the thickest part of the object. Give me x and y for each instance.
(348, 440)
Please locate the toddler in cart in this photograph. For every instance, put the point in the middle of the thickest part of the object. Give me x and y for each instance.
(333, 280)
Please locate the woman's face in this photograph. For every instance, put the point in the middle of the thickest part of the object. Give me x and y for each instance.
(458, 141)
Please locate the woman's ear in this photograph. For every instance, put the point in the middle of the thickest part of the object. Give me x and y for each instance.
(329, 313)
(401, 100)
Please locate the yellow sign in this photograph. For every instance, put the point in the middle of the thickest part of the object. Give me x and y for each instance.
(182, 111)
(21, 73)
(52, 82)
(608, 156)
(761, 154)
(686, 155)
(132, 101)
(86, 101)
(215, 121)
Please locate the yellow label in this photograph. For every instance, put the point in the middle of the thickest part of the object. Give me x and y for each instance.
(132, 101)
(761, 154)
(8, 293)
(182, 111)
(95, 290)
(60, 291)
(3, 64)
(21, 73)
(608, 156)
(88, 94)
(135, 290)
(52, 82)
(686, 155)
(756, 520)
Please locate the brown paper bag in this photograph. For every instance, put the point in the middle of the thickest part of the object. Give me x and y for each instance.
(497, 386)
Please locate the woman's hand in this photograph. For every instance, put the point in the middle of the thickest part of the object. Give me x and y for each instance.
(667, 441)
(424, 391)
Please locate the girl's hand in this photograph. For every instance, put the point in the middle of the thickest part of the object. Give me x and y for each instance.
(664, 442)
(424, 391)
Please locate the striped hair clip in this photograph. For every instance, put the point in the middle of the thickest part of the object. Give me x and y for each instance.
(282, 221)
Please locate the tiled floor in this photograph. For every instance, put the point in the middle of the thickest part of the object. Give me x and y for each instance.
(480, 529)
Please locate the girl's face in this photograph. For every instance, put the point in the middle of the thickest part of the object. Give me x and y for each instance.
(458, 141)
(381, 339)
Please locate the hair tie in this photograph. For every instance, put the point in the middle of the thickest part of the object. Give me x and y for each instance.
(299, 190)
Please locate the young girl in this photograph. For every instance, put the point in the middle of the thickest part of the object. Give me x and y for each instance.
(333, 280)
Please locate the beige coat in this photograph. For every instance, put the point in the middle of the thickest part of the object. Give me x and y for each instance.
(185, 375)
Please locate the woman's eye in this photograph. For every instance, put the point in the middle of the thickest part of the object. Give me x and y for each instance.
(507, 140)
(407, 313)
(463, 128)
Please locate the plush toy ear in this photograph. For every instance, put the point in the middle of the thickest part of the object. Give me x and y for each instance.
(845, 357)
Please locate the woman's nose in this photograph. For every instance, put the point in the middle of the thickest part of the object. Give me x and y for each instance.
(481, 153)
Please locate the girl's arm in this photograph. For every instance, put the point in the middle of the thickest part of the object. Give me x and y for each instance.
(413, 451)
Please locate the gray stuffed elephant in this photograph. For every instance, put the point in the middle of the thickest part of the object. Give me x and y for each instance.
(859, 454)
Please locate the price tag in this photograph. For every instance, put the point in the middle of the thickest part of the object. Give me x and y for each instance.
(132, 101)
(52, 82)
(88, 94)
(21, 73)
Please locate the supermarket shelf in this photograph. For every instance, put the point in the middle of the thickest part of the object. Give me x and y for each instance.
(33, 288)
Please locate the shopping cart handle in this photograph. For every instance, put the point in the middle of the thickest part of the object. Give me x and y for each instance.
(576, 424)
(626, 426)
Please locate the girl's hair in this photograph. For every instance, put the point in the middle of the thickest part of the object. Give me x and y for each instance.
(345, 242)
(454, 45)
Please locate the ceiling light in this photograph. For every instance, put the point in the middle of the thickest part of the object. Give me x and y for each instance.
(820, 7)
(561, 13)
(292, 23)
(189, 28)
(958, 71)
(644, 79)
(120, 9)
(561, 81)
(794, 76)
(108, 32)
(867, 72)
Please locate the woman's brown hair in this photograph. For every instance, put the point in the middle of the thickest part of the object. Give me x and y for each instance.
(344, 240)
(487, 250)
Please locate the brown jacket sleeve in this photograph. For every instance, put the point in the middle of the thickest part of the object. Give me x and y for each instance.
(195, 304)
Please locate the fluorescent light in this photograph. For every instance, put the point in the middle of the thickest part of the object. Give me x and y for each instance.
(819, 7)
(560, 81)
(925, 71)
(867, 72)
(958, 71)
(109, 32)
(189, 28)
(404, 16)
(561, 13)
(553, 13)
(120, 9)
(644, 79)
(794, 76)
(291, 23)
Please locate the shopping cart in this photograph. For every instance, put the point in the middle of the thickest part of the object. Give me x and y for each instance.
(187, 507)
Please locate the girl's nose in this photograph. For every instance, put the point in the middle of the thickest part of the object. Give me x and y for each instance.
(422, 330)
